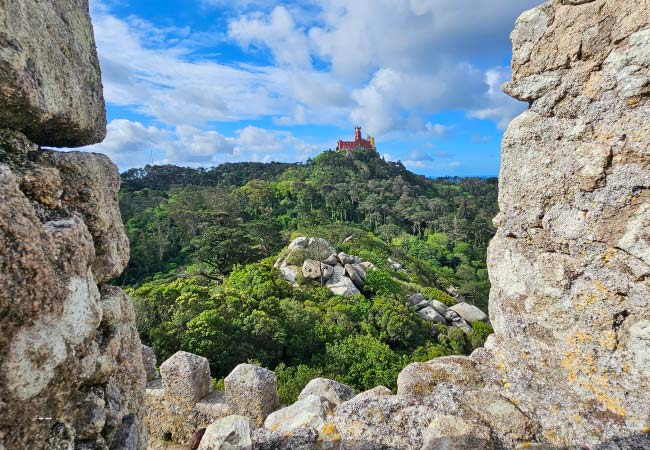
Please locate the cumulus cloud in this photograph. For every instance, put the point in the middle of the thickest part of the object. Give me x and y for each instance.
(388, 65)
(278, 32)
(167, 84)
(497, 106)
(394, 78)
(131, 143)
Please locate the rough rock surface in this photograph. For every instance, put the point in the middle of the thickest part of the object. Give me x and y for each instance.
(469, 312)
(252, 391)
(335, 392)
(182, 401)
(50, 83)
(317, 270)
(311, 411)
(71, 371)
(420, 379)
(339, 284)
(570, 262)
(230, 433)
(149, 361)
(186, 376)
(70, 350)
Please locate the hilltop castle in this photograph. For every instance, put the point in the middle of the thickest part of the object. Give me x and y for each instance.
(358, 144)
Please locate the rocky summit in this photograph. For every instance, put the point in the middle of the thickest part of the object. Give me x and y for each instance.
(567, 367)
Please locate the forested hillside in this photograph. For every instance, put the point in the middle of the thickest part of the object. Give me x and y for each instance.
(203, 244)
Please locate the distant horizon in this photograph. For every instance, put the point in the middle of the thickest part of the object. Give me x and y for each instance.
(203, 82)
(289, 163)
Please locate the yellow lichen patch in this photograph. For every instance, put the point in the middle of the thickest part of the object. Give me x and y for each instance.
(607, 256)
(577, 418)
(599, 286)
(580, 364)
(634, 101)
(646, 429)
(611, 404)
(329, 433)
(608, 339)
(275, 426)
(583, 301)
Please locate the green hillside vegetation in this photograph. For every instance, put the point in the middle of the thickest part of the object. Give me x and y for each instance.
(203, 245)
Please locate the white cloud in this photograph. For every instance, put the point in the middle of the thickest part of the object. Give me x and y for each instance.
(132, 144)
(388, 65)
(278, 32)
(497, 106)
(400, 59)
(165, 83)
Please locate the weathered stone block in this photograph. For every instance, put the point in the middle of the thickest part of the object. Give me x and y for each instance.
(50, 80)
(230, 433)
(252, 391)
(149, 361)
(333, 391)
(186, 377)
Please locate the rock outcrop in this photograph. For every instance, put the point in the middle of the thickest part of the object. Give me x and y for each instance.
(460, 315)
(570, 262)
(316, 259)
(71, 371)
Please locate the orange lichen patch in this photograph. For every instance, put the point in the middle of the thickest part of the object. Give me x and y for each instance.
(645, 429)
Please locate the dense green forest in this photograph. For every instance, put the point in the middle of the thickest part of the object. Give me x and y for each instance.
(203, 244)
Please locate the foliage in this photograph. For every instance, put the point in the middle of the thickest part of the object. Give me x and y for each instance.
(292, 380)
(204, 242)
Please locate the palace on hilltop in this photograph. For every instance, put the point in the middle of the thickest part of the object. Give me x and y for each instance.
(358, 144)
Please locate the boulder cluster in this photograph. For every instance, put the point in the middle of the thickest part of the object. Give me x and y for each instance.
(316, 259)
(71, 371)
(438, 405)
(460, 315)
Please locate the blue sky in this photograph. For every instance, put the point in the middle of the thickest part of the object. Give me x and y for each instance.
(202, 82)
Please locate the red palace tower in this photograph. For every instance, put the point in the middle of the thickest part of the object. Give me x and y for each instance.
(358, 144)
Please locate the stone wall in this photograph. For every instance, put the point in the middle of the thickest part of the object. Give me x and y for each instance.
(71, 373)
(570, 263)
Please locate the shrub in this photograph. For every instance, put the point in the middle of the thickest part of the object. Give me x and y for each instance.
(432, 293)
(292, 380)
